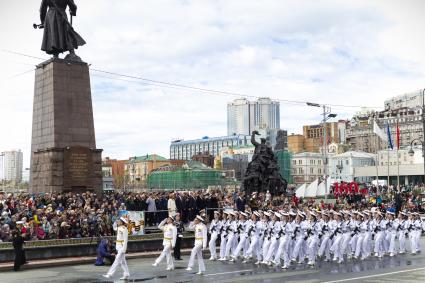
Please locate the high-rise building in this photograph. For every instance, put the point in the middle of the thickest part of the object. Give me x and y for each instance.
(12, 165)
(244, 116)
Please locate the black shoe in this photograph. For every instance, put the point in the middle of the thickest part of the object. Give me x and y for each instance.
(178, 259)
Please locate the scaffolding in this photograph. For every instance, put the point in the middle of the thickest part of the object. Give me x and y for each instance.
(284, 160)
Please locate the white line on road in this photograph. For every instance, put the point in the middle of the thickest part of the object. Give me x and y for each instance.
(230, 272)
(375, 275)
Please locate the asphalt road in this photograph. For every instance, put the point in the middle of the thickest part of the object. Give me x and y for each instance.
(405, 268)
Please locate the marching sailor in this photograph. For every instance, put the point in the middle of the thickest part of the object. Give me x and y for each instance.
(201, 235)
(224, 226)
(402, 231)
(121, 247)
(214, 230)
(170, 237)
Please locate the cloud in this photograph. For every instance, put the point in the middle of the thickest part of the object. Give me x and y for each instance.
(340, 52)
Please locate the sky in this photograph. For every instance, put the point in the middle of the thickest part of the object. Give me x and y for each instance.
(353, 53)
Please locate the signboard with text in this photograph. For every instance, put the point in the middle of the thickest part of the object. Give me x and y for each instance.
(78, 165)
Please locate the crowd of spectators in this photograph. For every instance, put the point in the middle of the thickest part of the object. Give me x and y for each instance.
(64, 216)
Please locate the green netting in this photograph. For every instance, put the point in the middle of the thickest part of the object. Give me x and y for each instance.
(284, 160)
(185, 179)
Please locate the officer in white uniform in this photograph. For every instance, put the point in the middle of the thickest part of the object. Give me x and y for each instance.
(402, 231)
(121, 247)
(170, 237)
(201, 234)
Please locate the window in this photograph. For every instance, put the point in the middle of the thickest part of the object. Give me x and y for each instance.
(319, 171)
(300, 170)
(300, 162)
(319, 162)
(311, 170)
(346, 162)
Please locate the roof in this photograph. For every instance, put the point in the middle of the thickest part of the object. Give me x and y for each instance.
(147, 157)
(355, 154)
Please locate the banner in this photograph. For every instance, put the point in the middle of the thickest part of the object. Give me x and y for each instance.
(398, 136)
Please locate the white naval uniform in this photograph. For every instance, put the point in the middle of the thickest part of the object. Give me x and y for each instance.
(367, 243)
(325, 235)
(254, 232)
(223, 236)
(121, 247)
(214, 230)
(392, 228)
(201, 235)
(401, 234)
(313, 240)
(243, 238)
(231, 232)
(283, 249)
(170, 236)
(274, 241)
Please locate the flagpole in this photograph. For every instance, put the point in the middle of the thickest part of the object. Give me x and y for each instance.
(388, 167)
(377, 160)
(398, 162)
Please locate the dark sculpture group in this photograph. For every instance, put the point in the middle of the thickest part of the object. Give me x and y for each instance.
(263, 172)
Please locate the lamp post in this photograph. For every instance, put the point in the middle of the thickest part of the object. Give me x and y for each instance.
(411, 152)
(326, 116)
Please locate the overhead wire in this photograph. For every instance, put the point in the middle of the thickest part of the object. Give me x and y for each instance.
(173, 85)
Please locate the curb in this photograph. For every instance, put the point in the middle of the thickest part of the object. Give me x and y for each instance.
(8, 266)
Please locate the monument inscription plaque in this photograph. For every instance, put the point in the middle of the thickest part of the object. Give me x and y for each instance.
(78, 164)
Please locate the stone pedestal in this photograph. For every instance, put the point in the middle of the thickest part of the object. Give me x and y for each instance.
(63, 150)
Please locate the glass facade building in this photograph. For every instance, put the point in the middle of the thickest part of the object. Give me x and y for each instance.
(184, 150)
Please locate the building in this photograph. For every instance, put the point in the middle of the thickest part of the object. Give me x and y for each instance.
(12, 166)
(138, 168)
(244, 116)
(118, 171)
(204, 158)
(107, 176)
(409, 170)
(236, 159)
(404, 110)
(342, 167)
(307, 167)
(313, 135)
(1, 166)
(185, 150)
(296, 143)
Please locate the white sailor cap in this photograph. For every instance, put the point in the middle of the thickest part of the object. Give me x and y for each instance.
(124, 220)
(301, 214)
(292, 213)
(256, 213)
(277, 214)
(199, 218)
(267, 214)
(216, 212)
(337, 213)
(244, 214)
(403, 213)
(19, 222)
(312, 213)
(360, 214)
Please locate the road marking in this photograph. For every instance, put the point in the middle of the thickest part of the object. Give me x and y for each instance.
(230, 272)
(375, 275)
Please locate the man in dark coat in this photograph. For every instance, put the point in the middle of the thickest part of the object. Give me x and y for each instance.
(180, 229)
(18, 242)
(59, 36)
(191, 205)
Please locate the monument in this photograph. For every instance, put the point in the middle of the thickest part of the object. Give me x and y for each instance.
(64, 157)
(263, 173)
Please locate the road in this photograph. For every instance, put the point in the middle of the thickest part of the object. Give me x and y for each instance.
(404, 268)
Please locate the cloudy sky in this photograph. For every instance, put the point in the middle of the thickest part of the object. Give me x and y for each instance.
(335, 52)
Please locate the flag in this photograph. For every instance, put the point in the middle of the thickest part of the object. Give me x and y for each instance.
(390, 141)
(379, 132)
(398, 136)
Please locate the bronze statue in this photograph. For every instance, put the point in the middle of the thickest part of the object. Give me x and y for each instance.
(59, 35)
(263, 172)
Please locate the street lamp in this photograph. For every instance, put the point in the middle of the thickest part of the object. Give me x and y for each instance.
(326, 116)
(411, 152)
